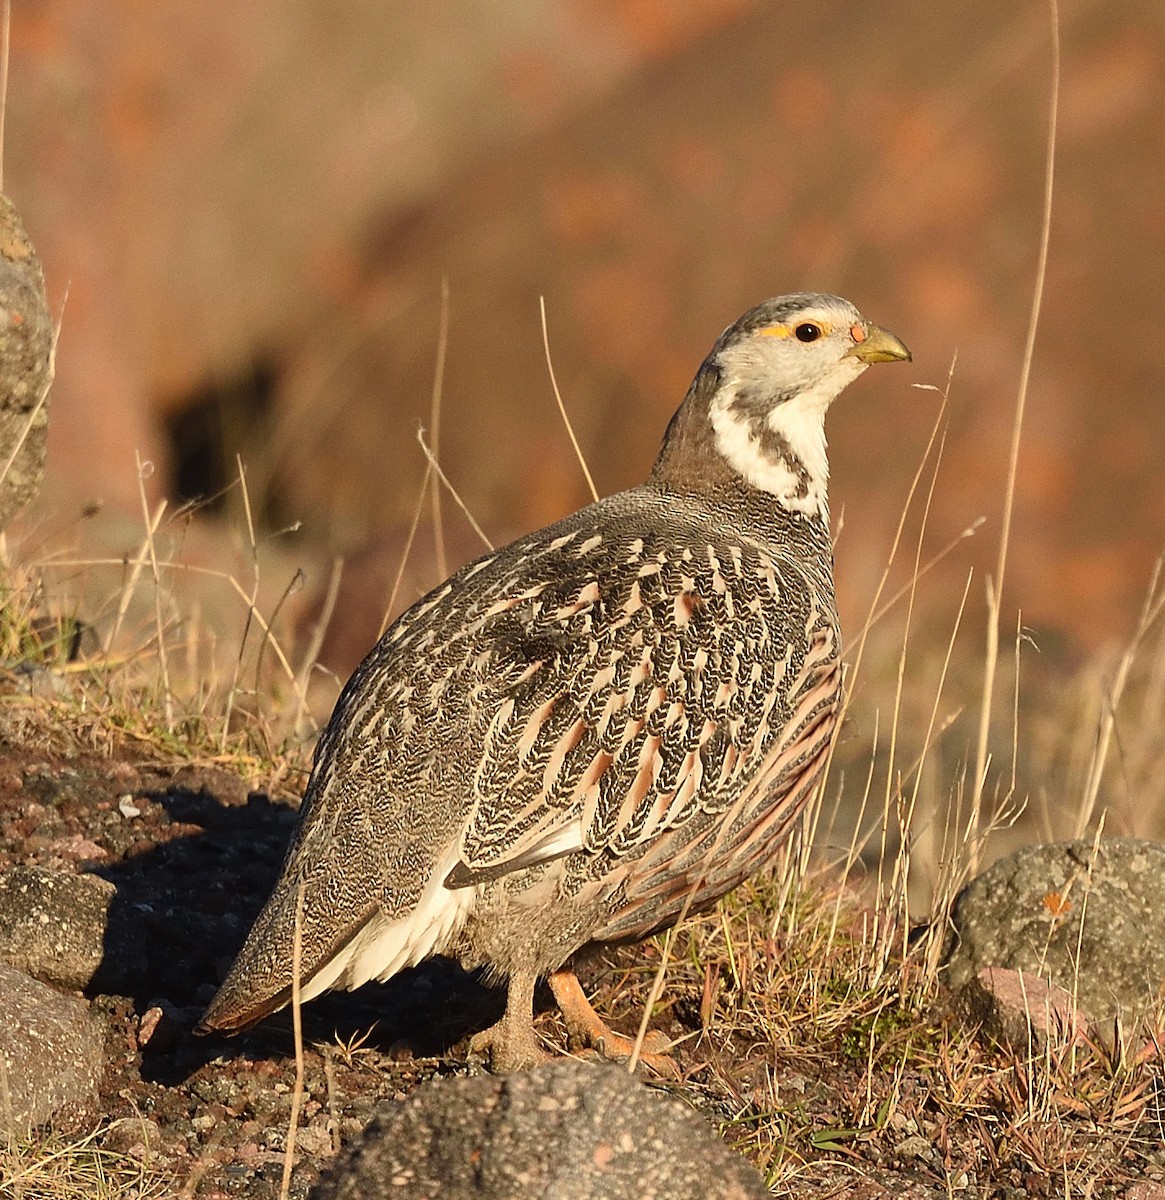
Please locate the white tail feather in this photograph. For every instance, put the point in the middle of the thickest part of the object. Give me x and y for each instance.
(386, 945)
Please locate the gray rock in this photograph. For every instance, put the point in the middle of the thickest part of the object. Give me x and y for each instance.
(26, 339)
(1087, 922)
(564, 1131)
(51, 1055)
(52, 924)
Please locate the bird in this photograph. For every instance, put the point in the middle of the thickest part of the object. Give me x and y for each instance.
(606, 724)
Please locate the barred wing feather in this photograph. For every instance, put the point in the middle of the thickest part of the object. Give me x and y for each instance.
(628, 703)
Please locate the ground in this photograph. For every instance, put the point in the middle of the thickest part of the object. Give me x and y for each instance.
(818, 1075)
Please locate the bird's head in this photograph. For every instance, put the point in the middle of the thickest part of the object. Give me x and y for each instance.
(760, 397)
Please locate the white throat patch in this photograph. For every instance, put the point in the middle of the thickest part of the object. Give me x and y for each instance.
(781, 451)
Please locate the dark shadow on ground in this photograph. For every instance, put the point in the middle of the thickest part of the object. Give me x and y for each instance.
(182, 911)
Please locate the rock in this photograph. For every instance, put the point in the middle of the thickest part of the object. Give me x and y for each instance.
(1087, 922)
(26, 341)
(1020, 1009)
(138, 1136)
(52, 924)
(567, 1130)
(52, 1055)
(1146, 1190)
(162, 1026)
(916, 1147)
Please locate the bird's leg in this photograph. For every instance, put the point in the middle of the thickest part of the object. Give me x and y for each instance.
(512, 1044)
(587, 1028)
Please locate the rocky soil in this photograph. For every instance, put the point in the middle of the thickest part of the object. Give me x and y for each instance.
(190, 855)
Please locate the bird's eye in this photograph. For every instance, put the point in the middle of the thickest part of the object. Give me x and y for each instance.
(807, 332)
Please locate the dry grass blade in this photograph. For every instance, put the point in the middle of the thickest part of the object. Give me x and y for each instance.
(137, 566)
(297, 1033)
(51, 1167)
(315, 644)
(1153, 607)
(874, 606)
(435, 428)
(51, 368)
(144, 472)
(907, 627)
(928, 741)
(582, 462)
(822, 1033)
(435, 466)
(995, 589)
(390, 603)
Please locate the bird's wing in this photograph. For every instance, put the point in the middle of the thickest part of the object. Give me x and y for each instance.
(634, 695)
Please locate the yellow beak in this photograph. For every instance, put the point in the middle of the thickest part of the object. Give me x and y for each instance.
(880, 345)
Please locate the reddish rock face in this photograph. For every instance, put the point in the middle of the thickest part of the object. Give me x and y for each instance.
(266, 189)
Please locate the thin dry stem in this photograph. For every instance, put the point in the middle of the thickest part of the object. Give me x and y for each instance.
(251, 600)
(297, 1033)
(137, 566)
(863, 637)
(665, 954)
(41, 399)
(1150, 611)
(436, 466)
(435, 427)
(922, 573)
(294, 584)
(995, 590)
(582, 462)
(6, 1108)
(929, 737)
(912, 592)
(144, 471)
(390, 604)
(315, 644)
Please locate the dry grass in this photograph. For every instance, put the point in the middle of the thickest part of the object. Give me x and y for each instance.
(821, 1038)
(52, 1167)
(158, 653)
(827, 1041)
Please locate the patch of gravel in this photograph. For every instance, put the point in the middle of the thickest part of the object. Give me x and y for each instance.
(159, 872)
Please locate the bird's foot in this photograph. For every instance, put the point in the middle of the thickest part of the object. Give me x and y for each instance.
(587, 1028)
(507, 1046)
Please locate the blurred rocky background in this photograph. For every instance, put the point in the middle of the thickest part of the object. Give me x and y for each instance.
(252, 213)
